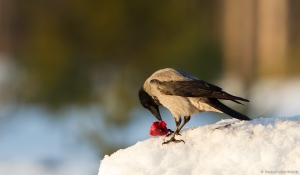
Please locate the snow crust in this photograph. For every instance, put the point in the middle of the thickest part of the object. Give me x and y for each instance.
(260, 146)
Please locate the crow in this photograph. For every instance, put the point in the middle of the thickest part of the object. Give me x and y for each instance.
(184, 95)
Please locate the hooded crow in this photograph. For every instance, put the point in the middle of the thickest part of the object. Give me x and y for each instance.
(184, 95)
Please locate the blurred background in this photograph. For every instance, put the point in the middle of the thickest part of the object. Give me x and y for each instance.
(70, 71)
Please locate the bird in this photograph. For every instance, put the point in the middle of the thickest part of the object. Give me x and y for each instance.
(184, 95)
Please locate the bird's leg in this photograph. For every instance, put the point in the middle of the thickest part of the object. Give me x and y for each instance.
(177, 122)
(186, 119)
(175, 132)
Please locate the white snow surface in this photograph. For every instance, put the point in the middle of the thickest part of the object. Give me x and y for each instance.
(260, 146)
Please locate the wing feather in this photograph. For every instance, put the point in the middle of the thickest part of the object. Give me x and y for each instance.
(194, 88)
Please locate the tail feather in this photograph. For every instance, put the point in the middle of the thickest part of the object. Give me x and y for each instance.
(238, 102)
(225, 109)
(226, 96)
(239, 98)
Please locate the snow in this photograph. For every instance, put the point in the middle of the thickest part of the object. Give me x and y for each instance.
(260, 146)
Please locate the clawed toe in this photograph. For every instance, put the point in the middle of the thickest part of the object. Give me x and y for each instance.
(171, 132)
(172, 140)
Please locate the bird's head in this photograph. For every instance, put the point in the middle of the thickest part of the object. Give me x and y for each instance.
(149, 103)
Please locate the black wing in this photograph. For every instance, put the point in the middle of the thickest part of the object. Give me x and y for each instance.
(194, 88)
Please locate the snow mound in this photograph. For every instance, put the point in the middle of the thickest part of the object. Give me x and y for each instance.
(260, 146)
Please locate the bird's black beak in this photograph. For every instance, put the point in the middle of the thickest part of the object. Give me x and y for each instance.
(155, 111)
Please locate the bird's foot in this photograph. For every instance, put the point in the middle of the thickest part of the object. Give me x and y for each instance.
(172, 140)
(171, 132)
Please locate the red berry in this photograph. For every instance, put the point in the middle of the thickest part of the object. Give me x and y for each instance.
(158, 128)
